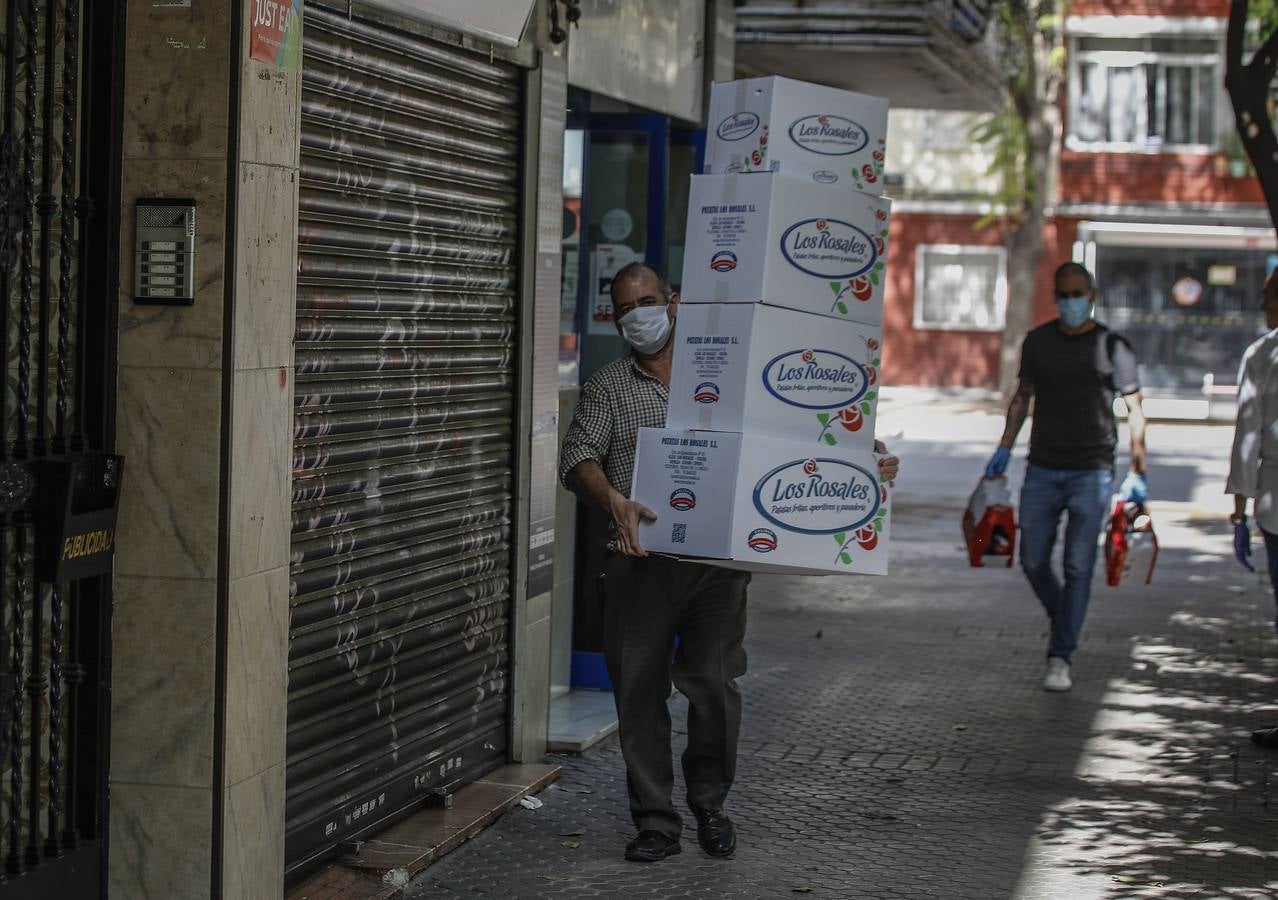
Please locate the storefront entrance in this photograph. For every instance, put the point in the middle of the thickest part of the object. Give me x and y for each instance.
(1188, 298)
(625, 200)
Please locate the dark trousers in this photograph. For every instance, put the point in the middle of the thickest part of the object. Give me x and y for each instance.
(647, 601)
(1271, 552)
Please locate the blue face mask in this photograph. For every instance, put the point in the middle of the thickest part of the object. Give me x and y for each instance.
(1074, 310)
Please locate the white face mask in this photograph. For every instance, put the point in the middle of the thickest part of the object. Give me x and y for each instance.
(646, 328)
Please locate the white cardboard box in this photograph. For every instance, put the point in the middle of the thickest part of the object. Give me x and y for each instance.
(787, 242)
(764, 370)
(811, 131)
(762, 504)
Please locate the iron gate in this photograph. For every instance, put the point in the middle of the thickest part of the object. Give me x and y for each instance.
(57, 325)
(402, 461)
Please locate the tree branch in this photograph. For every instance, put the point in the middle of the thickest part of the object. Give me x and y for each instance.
(1248, 88)
(1234, 36)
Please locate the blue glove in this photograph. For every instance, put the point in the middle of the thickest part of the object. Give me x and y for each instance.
(998, 462)
(1134, 489)
(1242, 546)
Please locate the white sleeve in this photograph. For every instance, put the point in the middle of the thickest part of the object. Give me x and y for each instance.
(1244, 461)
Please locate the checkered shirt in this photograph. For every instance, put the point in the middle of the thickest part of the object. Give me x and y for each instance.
(615, 403)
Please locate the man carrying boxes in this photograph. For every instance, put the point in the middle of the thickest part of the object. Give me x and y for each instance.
(649, 599)
(811, 498)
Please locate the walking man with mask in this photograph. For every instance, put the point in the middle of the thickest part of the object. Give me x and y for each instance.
(651, 599)
(1071, 368)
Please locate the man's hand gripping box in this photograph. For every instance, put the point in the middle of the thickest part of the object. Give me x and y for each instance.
(763, 504)
(814, 132)
(768, 371)
(787, 242)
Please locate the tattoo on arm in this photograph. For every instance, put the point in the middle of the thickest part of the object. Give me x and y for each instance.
(1017, 411)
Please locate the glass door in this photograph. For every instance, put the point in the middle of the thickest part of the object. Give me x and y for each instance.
(625, 178)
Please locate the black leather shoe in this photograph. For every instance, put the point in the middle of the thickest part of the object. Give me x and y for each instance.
(651, 846)
(715, 832)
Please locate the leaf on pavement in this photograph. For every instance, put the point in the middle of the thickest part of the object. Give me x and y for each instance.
(555, 877)
(576, 832)
(571, 845)
(576, 790)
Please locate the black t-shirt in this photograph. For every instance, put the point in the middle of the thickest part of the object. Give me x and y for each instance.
(1075, 378)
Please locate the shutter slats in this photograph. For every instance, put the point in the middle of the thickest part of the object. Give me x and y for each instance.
(363, 271)
(324, 455)
(319, 173)
(403, 416)
(398, 300)
(327, 491)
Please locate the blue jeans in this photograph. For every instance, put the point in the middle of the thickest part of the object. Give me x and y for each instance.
(1085, 494)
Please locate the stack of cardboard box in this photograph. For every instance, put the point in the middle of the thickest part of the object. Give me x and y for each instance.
(766, 461)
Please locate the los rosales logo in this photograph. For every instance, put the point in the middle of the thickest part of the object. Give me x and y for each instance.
(738, 126)
(762, 540)
(815, 379)
(817, 496)
(829, 135)
(683, 499)
(828, 248)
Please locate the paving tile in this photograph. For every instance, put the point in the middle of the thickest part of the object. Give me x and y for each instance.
(854, 780)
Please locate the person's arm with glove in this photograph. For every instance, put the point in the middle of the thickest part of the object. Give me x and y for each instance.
(1017, 412)
(1134, 487)
(1244, 460)
(1242, 535)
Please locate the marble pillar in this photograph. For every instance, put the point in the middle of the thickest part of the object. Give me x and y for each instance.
(200, 632)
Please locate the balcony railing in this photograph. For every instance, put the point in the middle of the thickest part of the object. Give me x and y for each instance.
(918, 53)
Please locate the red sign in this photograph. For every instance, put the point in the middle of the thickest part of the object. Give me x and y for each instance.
(273, 34)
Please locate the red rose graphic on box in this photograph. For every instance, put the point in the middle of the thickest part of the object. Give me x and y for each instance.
(865, 538)
(852, 418)
(870, 173)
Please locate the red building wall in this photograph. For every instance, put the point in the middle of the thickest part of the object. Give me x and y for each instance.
(968, 358)
(1153, 177)
(918, 356)
(1149, 8)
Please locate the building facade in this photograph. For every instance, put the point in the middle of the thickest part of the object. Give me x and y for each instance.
(1154, 194)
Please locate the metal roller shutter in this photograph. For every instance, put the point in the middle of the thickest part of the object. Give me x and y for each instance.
(402, 460)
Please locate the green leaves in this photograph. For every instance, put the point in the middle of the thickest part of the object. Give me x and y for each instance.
(842, 307)
(876, 362)
(874, 278)
(878, 266)
(845, 558)
(836, 286)
(870, 396)
(840, 538)
(830, 439)
(823, 418)
(865, 407)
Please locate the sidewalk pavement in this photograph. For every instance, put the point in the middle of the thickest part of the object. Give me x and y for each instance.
(897, 743)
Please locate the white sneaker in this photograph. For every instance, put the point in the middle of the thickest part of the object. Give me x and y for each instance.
(1057, 674)
(1057, 678)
